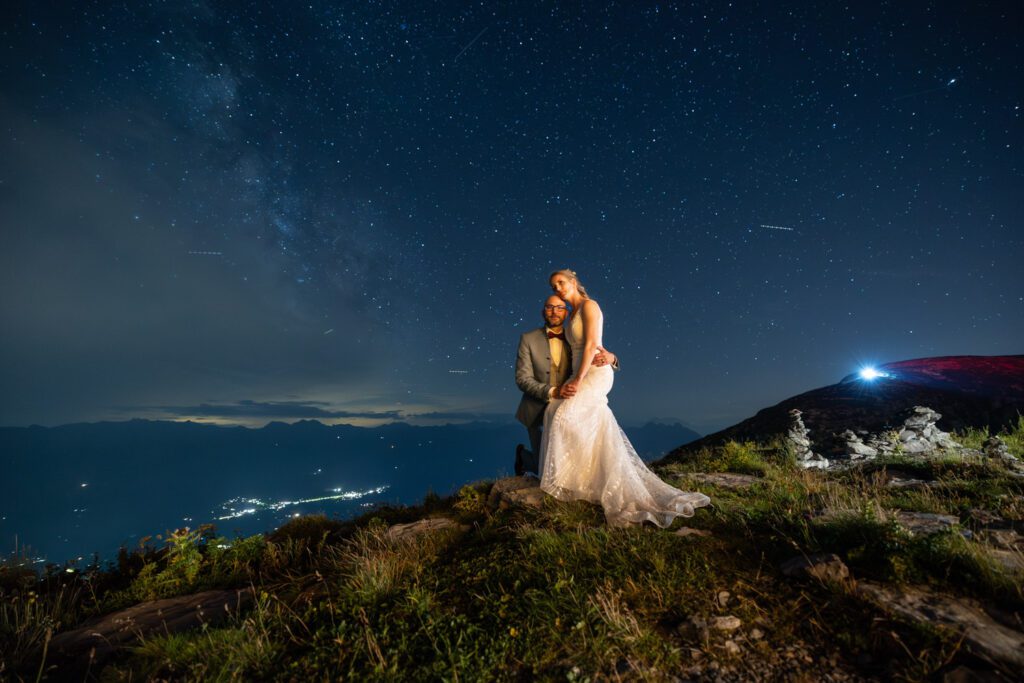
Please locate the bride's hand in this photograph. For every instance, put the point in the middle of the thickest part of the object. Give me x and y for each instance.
(569, 389)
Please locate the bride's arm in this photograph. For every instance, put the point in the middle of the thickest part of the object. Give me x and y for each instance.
(591, 313)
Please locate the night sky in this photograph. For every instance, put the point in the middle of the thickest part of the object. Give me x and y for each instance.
(239, 212)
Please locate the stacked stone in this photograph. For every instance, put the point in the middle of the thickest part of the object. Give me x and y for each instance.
(883, 443)
(856, 449)
(994, 447)
(921, 435)
(798, 440)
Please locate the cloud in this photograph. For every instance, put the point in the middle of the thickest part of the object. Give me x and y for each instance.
(248, 410)
(461, 416)
(269, 409)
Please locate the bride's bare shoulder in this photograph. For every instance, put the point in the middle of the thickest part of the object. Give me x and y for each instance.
(590, 307)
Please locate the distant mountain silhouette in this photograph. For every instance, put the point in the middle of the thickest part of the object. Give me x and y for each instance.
(969, 391)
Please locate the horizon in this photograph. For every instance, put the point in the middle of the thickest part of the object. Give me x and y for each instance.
(509, 421)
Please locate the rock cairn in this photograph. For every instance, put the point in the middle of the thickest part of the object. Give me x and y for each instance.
(921, 435)
(797, 438)
(856, 449)
(994, 447)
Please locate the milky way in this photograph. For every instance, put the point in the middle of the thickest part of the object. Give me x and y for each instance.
(349, 210)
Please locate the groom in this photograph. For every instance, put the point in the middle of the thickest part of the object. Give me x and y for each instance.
(543, 365)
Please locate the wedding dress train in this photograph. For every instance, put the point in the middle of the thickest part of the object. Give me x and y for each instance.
(586, 456)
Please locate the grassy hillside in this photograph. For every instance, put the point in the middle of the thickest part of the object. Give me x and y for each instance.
(553, 593)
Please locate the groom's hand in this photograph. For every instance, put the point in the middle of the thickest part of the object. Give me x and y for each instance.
(567, 390)
(604, 357)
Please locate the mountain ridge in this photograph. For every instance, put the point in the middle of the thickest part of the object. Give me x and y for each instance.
(984, 392)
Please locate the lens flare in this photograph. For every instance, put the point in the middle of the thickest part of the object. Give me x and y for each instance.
(870, 374)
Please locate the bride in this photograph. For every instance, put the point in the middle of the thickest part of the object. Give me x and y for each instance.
(584, 455)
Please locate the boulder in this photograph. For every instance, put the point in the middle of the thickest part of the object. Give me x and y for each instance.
(87, 647)
(982, 635)
(405, 532)
(822, 566)
(512, 491)
(926, 523)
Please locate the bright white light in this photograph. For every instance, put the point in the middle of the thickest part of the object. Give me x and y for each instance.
(869, 374)
(258, 505)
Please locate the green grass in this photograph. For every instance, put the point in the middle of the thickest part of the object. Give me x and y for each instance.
(554, 593)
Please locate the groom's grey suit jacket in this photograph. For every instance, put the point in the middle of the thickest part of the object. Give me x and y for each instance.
(533, 374)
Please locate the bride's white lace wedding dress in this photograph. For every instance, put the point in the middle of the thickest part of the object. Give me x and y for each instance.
(584, 454)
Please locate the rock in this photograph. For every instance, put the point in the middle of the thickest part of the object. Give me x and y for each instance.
(982, 635)
(723, 598)
(918, 446)
(921, 417)
(963, 674)
(994, 447)
(926, 523)
(690, 531)
(756, 634)
(1007, 539)
(731, 647)
(1012, 560)
(822, 566)
(726, 623)
(815, 461)
(529, 497)
(855, 448)
(726, 480)
(405, 532)
(860, 450)
(986, 517)
(897, 483)
(799, 442)
(89, 646)
(498, 497)
(884, 443)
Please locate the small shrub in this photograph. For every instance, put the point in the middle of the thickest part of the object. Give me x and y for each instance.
(471, 500)
(312, 530)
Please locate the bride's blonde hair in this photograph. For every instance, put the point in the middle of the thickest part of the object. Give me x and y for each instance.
(571, 274)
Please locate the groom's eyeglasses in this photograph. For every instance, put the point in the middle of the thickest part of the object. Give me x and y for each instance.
(555, 308)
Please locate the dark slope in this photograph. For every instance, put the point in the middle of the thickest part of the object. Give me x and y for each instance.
(969, 391)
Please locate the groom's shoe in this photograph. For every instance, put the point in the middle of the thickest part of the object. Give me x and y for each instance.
(519, 460)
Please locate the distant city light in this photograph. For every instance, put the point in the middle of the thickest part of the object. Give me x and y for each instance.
(255, 505)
